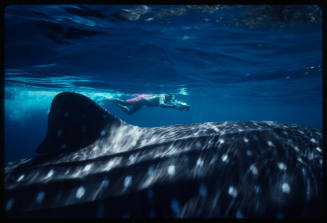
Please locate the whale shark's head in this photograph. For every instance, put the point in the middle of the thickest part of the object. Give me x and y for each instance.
(75, 121)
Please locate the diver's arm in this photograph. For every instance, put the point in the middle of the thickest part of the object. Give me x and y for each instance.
(164, 105)
(129, 109)
(123, 107)
(179, 105)
(134, 108)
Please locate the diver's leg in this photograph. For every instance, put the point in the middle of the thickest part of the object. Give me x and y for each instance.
(124, 107)
(119, 101)
(131, 108)
(135, 108)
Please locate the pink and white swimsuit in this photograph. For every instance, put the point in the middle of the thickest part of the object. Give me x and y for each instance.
(138, 98)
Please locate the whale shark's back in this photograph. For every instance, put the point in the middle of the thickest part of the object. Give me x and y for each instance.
(230, 169)
(75, 121)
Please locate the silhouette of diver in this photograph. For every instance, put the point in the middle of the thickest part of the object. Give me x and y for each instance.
(132, 105)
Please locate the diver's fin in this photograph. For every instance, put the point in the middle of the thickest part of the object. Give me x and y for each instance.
(75, 121)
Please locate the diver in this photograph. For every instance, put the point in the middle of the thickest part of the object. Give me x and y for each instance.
(134, 104)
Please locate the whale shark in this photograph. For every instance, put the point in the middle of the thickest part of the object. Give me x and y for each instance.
(93, 164)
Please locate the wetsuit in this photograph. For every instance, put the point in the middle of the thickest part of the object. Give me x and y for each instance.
(163, 100)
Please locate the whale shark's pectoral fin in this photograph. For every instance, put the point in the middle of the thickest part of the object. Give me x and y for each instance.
(75, 121)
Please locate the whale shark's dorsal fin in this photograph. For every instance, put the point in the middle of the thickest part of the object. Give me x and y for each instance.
(75, 121)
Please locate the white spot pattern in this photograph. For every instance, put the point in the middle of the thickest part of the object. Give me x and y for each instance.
(199, 162)
(171, 170)
(310, 156)
(174, 205)
(224, 158)
(269, 143)
(150, 170)
(202, 190)
(131, 158)
(127, 181)
(80, 192)
(257, 189)
(318, 149)
(286, 188)
(239, 214)
(232, 191)
(301, 132)
(282, 166)
(313, 140)
(40, 197)
(105, 183)
(50, 174)
(9, 204)
(59, 132)
(254, 169)
(296, 148)
(87, 167)
(21, 177)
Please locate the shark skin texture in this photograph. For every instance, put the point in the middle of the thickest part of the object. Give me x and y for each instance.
(92, 164)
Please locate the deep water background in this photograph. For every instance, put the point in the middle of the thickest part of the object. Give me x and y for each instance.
(230, 63)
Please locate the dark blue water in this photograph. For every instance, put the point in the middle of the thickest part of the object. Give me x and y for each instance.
(230, 63)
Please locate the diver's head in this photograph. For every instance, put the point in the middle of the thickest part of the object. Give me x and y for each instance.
(182, 106)
(168, 97)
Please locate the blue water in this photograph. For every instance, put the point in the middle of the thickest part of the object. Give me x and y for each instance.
(230, 63)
